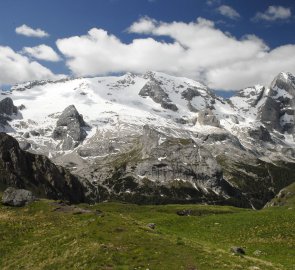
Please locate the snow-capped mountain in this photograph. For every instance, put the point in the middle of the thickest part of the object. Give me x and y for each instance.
(159, 136)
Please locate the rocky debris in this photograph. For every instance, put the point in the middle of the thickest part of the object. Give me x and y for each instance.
(17, 197)
(64, 207)
(22, 169)
(70, 128)
(238, 250)
(206, 117)
(153, 90)
(184, 212)
(151, 226)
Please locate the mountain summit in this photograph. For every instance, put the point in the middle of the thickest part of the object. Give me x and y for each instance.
(159, 138)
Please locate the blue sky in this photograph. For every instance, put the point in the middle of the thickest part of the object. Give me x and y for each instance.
(257, 28)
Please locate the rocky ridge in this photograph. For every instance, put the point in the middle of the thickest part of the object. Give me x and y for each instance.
(158, 138)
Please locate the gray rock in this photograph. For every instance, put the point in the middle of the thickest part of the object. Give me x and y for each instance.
(24, 145)
(153, 90)
(17, 197)
(70, 128)
(261, 134)
(35, 133)
(238, 250)
(281, 82)
(152, 226)
(270, 114)
(7, 107)
(206, 117)
(190, 93)
(36, 172)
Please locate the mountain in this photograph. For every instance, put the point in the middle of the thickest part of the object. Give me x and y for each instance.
(37, 173)
(155, 138)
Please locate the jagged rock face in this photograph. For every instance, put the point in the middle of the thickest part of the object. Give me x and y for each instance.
(261, 134)
(37, 173)
(206, 117)
(277, 112)
(7, 107)
(284, 81)
(270, 114)
(158, 137)
(158, 168)
(153, 90)
(69, 128)
(7, 110)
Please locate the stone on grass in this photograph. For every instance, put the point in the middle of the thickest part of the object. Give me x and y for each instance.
(17, 197)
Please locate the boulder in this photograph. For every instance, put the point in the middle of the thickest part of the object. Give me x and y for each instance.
(152, 226)
(17, 197)
(238, 250)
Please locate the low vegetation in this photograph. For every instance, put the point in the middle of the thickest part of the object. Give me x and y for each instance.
(51, 235)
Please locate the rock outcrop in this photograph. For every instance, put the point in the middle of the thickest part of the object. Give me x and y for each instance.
(153, 90)
(7, 107)
(70, 128)
(7, 110)
(38, 174)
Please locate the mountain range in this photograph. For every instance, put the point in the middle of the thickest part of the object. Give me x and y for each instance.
(149, 138)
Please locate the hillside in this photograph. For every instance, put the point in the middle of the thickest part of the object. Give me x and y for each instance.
(51, 235)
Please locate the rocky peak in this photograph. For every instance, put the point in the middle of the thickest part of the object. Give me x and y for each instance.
(285, 81)
(69, 128)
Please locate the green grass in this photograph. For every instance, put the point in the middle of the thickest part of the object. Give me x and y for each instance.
(35, 237)
(286, 197)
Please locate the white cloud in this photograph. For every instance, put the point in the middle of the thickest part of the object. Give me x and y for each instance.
(213, 2)
(198, 50)
(145, 25)
(15, 68)
(229, 12)
(274, 13)
(30, 32)
(42, 52)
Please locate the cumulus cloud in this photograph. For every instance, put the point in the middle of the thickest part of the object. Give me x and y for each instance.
(15, 68)
(30, 32)
(145, 25)
(198, 50)
(229, 12)
(42, 52)
(274, 13)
